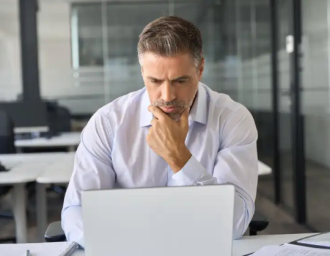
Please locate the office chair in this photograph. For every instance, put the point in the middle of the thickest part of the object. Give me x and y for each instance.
(257, 224)
(55, 233)
(7, 146)
(59, 118)
(7, 136)
(59, 121)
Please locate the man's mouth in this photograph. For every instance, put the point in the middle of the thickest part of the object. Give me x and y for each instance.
(169, 109)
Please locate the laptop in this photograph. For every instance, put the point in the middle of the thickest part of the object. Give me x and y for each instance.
(167, 221)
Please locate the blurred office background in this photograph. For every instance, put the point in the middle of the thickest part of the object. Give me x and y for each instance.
(87, 58)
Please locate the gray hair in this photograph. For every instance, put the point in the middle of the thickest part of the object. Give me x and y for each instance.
(168, 36)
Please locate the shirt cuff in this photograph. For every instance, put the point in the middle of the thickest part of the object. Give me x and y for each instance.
(190, 174)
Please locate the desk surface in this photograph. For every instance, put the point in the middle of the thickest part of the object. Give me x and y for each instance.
(263, 169)
(65, 139)
(26, 167)
(73, 139)
(59, 171)
(249, 244)
(50, 168)
(241, 247)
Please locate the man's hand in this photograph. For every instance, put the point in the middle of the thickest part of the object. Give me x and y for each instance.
(167, 138)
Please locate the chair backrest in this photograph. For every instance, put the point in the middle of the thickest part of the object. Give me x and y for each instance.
(59, 118)
(64, 119)
(7, 136)
(3, 191)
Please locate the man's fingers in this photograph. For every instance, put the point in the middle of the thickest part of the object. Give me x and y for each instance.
(157, 112)
(153, 122)
(184, 118)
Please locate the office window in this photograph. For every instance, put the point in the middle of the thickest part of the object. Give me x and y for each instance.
(104, 38)
(87, 35)
(107, 33)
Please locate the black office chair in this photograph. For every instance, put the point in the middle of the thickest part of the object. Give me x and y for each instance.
(257, 224)
(59, 118)
(55, 233)
(7, 136)
(7, 146)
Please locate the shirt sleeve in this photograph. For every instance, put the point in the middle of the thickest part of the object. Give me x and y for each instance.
(92, 171)
(236, 163)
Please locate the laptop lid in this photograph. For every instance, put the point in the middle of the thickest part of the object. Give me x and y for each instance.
(163, 221)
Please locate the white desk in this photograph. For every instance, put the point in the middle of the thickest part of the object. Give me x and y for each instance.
(24, 168)
(263, 169)
(66, 139)
(45, 168)
(60, 173)
(241, 247)
(249, 244)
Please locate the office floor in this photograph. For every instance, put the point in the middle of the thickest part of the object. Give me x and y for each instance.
(317, 191)
(281, 222)
(7, 227)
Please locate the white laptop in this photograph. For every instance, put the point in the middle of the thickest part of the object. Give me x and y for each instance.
(170, 221)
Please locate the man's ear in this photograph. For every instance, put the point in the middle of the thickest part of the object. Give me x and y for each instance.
(142, 70)
(201, 69)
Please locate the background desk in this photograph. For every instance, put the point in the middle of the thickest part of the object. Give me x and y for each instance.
(24, 168)
(263, 169)
(45, 168)
(57, 173)
(67, 139)
(60, 173)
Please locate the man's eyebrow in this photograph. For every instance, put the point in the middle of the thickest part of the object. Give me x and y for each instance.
(181, 78)
(153, 78)
(175, 79)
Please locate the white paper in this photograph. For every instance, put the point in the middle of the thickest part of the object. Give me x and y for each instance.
(36, 249)
(321, 240)
(291, 250)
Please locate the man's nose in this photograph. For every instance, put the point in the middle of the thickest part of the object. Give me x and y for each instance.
(167, 92)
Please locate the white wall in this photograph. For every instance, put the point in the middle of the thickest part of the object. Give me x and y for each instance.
(10, 59)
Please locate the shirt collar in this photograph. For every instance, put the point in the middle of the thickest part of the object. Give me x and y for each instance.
(198, 112)
(145, 115)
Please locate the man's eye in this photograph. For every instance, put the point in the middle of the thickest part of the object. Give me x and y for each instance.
(155, 81)
(181, 81)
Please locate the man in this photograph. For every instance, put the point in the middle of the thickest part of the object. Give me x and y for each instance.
(174, 132)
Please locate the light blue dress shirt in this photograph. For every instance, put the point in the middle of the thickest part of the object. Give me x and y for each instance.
(114, 153)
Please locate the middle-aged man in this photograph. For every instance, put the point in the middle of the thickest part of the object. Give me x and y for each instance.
(174, 132)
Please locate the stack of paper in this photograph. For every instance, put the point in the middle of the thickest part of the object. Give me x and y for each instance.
(319, 240)
(290, 249)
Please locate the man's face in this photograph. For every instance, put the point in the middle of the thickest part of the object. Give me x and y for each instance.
(171, 82)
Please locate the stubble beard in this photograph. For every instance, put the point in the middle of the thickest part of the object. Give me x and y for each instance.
(179, 104)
